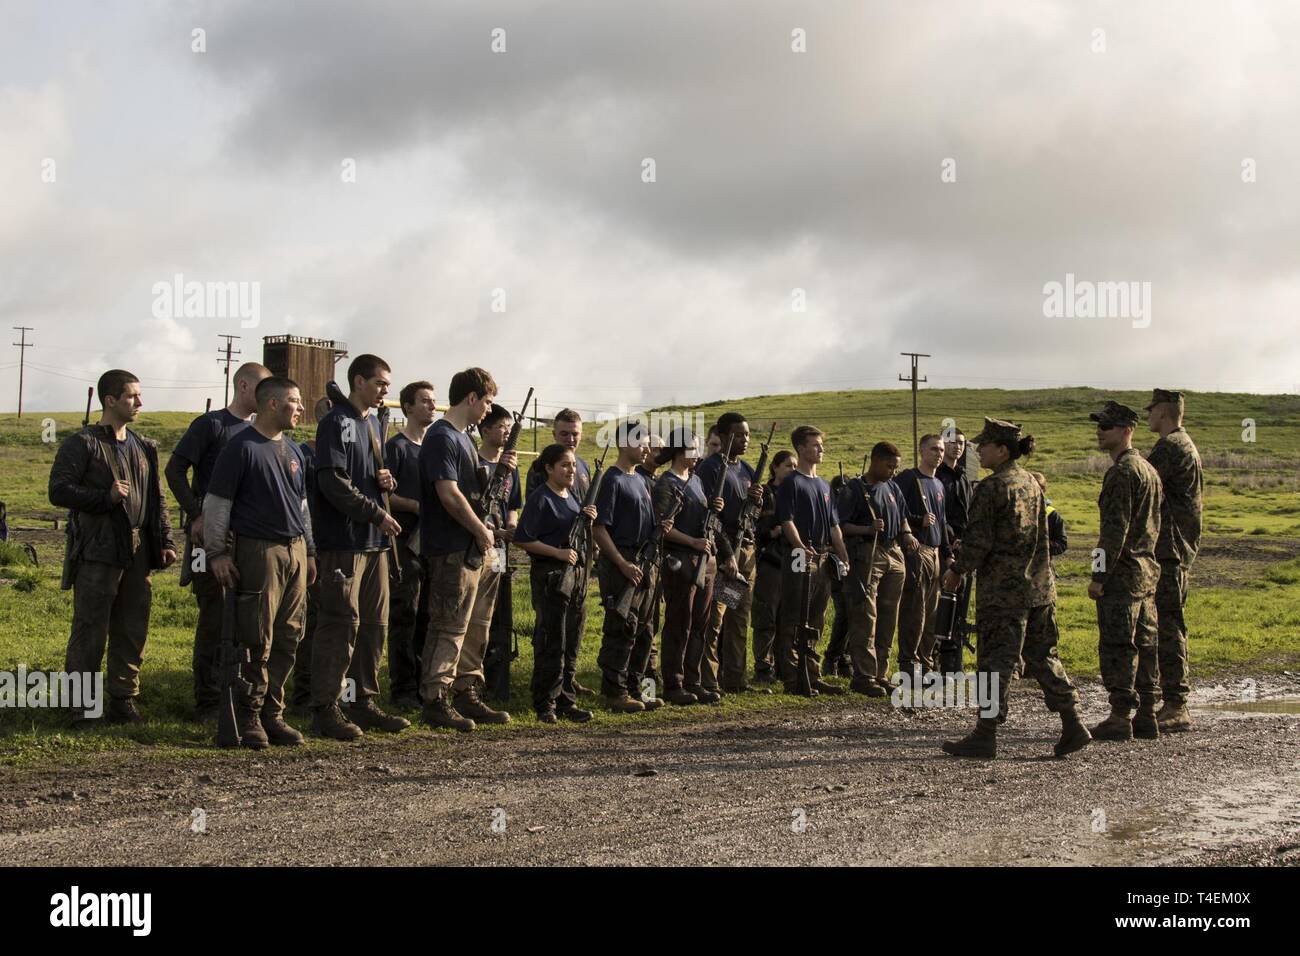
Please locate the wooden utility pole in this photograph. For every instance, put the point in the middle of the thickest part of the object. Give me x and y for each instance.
(23, 346)
(914, 380)
(226, 358)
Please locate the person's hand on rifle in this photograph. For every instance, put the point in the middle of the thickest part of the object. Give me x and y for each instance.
(196, 530)
(223, 569)
(951, 580)
(590, 512)
(732, 569)
(630, 571)
(504, 535)
(168, 557)
(718, 504)
(118, 491)
(666, 525)
(389, 525)
(910, 544)
(755, 493)
(386, 480)
(878, 526)
(311, 571)
(702, 544)
(510, 459)
(567, 555)
(484, 539)
(927, 521)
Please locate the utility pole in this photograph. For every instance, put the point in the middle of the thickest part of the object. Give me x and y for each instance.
(226, 358)
(23, 346)
(914, 380)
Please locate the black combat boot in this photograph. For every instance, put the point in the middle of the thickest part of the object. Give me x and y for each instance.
(547, 716)
(439, 713)
(1145, 725)
(703, 694)
(825, 687)
(329, 722)
(469, 704)
(981, 742)
(249, 725)
(680, 697)
(122, 710)
(1117, 726)
(367, 715)
(577, 715)
(1074, 736)
(279, 733)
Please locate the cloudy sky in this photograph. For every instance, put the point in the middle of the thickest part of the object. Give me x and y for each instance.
(919, 170)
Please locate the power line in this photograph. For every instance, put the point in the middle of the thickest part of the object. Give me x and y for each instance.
(229, 338)
(915, 356)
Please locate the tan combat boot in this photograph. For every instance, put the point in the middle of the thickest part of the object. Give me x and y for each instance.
(1074, 736)
(981, 742)
(1145, 726)
(1115, 727)
(1173, 718)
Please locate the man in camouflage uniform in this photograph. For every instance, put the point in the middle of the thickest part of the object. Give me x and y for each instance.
(1124, 578)
(1005, 545)
(1178, 464)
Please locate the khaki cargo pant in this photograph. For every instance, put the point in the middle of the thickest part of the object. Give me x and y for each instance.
(110, 607)
(872, 610)
(731, 626)
(351, 623)
(461, 602)
(790, 616)
(270, 615)
(917, 610)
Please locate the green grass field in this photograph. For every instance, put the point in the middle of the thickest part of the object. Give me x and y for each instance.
(1244, 610)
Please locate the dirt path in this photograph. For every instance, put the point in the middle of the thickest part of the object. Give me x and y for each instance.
(868, 782)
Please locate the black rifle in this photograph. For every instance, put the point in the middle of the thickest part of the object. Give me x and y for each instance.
(632, 604)
(503, 642)
(90, 394)
(751, 512)
(951, 628)
(712, 520)
(231, 658)
(572, 583)
(489, 502)
(807, 635)
(335, 395)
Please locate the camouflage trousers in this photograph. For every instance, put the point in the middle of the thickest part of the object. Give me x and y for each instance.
(1004, 636)
(1127, 650)
(1171, 596)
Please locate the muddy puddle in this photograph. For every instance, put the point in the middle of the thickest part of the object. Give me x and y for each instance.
(1276, 705)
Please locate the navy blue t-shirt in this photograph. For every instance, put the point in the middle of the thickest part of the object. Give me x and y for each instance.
(446, 455)
(695, 507)
(548, 517)
(402, 458)
(623, 505)
(203, 441)
(343, 441)
(309, 481)
(581, 480)
(735, 488)
(912, 481)
(809, 503)
(267, 481)
(887, 499)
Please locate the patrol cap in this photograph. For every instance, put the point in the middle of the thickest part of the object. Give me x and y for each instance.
(1162, 395)
(996, 430)
(1113, 414)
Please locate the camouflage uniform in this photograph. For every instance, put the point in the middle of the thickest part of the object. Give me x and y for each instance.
(1178, 464)
(1126, 612)
(1005, 545)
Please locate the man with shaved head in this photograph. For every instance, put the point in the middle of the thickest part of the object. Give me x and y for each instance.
(198, 449)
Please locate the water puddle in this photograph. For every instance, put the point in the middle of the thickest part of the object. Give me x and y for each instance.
(1277, 705)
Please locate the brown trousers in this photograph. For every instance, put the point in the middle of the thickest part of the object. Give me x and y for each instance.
(110, 607)
(271, 611)
(461, 602)
(790, 618)
(917, 610)
(351, 623)
(684, 661)
(730, 626)
(763, 611)
(872, 610)
(207, 639)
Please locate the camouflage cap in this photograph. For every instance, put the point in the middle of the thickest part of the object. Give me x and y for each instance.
(1161, 395)
(996, 430)
(1113, 413)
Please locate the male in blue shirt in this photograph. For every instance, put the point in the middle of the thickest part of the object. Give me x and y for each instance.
(810, 521)
(351, 529)
(258, 491)
(457, 548)
(926, 555)
(198, 449)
